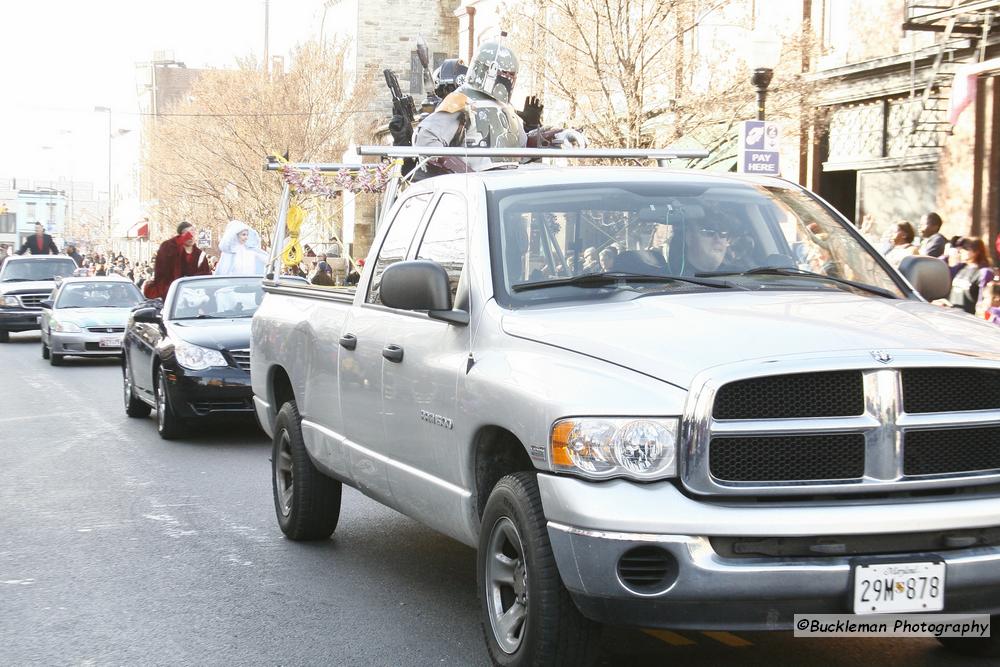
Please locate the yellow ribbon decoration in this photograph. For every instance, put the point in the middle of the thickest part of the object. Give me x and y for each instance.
(292, 254)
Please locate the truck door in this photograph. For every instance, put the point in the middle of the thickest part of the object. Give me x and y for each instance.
(419, 388)
(359, 366)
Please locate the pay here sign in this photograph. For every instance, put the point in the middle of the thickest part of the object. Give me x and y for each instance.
(759, 143)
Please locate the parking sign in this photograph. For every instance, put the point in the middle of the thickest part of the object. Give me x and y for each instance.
(205, 238)
(759, 144)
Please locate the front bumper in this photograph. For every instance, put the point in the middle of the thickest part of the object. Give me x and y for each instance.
(704, 590)
(214, 392)
(84, 344)
(19, 319)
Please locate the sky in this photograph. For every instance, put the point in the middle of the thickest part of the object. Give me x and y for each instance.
(61, 58)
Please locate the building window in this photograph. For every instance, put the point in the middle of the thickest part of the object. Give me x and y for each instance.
(52, 211)
(836, 24)
(32, 215)
(417, 70)
(7, 223)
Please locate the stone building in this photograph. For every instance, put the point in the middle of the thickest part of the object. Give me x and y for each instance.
(890, 143)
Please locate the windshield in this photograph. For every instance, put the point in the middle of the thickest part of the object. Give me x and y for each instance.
(218, 298)
(713, 234)
(99, 295)
(36, 269)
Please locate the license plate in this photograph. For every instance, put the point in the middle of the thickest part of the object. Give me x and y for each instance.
(890, 588)
(111, 341)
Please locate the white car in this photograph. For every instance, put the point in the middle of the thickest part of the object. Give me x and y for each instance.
(86, 317)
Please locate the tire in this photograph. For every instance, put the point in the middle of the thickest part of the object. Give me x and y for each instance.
(306, 502)
(133, 406)
(45, 350)
(986, 647)
(56, 359)
(4, 336)
(515, 568)
(168, 425)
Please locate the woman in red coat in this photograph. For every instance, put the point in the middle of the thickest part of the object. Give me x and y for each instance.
(176, 257)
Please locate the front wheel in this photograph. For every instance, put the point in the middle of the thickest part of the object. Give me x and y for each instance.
(529, 617)
(45, 350)
(168, 425)
(56, 359)
(982, 647)
(306, 501)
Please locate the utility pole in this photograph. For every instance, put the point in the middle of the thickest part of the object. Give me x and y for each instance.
(267, 22)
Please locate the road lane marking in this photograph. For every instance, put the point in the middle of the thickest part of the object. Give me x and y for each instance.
(669, 637)
(728, 639)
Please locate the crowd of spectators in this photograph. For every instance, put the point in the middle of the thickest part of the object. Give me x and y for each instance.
(975, 281)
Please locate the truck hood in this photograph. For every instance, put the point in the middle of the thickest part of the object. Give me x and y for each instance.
(27, 287)
(674, 337)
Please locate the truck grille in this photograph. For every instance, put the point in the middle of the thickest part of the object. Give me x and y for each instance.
(242, 359)
(950, 389)
(951, 451)
(33, 301)
(788, 458)
(834, 431)
(784, 396)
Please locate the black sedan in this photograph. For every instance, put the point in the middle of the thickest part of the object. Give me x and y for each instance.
(189, 359)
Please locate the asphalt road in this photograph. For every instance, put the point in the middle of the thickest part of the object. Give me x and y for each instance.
(118, 548)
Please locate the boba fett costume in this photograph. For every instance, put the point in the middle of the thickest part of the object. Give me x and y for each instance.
(477, 114)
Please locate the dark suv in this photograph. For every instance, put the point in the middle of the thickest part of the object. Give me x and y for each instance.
(24, 283)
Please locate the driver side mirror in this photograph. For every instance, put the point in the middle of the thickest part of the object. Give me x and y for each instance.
(147, 315)
(420, 284)
(928, 275)
(46, 303)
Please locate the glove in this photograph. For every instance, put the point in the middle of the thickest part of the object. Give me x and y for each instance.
(531, 115)
(400, 130)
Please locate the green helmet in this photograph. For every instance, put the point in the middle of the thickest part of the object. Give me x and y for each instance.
(493, 71)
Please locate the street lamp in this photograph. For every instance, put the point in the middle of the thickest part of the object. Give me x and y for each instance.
(762, 57)
(107, 110)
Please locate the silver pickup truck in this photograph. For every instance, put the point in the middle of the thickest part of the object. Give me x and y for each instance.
(646, 397)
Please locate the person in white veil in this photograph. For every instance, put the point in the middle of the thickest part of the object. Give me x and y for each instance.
(240, 251)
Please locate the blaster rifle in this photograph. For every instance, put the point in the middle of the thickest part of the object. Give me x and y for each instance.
(402, 105)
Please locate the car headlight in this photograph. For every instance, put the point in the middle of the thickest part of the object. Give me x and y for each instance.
(597, 447)
(197, 358)
(66, 327)
(10, 301)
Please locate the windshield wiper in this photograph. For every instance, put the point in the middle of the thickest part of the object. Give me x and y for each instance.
(796, 272)
(613, 277)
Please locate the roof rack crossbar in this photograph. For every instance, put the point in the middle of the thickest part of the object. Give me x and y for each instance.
(587, 153)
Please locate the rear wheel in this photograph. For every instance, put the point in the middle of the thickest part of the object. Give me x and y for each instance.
(133, 406)
(529, 617)
(306, 501)
(983, 647)
(168, 425)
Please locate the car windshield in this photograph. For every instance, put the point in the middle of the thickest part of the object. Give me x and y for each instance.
(98, 294)
(217, 298)
(36, 269)
(600, 240)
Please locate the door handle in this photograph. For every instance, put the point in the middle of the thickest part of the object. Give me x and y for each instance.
(393, 352)
(348, 341)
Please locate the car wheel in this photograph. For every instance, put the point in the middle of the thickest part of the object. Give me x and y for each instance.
(306, 501)
(529, 617)
(167, 423)
(45, 350)
(4, 336)
(56, 359)
(133, 406)
(983, 647)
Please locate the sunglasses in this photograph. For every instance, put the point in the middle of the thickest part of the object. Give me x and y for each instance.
(720, 234)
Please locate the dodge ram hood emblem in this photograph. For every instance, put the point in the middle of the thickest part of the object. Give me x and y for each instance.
(881, 356)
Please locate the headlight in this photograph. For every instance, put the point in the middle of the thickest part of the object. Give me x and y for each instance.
(631, 447)
(10, 301)
(198, 358)
(66, 327)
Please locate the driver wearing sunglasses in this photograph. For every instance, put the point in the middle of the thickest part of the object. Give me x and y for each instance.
(706, 242)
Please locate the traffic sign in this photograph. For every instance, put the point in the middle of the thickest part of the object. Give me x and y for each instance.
(759, 145)
(205, 238)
